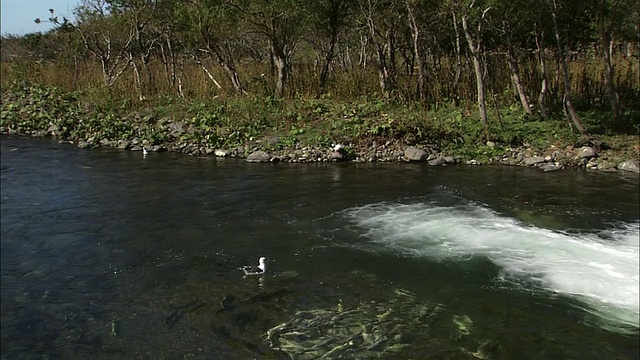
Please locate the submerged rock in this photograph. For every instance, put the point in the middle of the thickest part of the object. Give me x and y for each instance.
(551, 167)
(368, 330)
(439, 161)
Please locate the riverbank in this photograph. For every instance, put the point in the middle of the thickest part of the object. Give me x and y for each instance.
(319, 130)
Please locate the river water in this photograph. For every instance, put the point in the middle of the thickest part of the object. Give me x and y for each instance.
(107, 254)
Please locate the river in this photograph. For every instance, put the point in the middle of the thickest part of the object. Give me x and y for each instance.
(106, 254)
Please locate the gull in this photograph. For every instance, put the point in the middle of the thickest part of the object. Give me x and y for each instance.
(255, 270)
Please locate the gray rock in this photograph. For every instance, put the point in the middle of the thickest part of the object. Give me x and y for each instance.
(53, 129)
(176, 129)
(438, 161)
(124, 144)
(551, 167)
(83, 144)
(222, 152)
(629, 165)
(586, 152)
(607, 166)
(258, 156)
(157, 148)
(337, 156)
(450, 159)
(491, 144)
(414, 154)
(558, 154)
(533, 160)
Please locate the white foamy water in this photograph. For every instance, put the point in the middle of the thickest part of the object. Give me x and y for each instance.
(599, 269)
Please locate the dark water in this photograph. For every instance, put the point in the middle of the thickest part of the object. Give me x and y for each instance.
(106, 254)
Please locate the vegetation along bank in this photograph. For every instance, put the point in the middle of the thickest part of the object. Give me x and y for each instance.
(531, 83)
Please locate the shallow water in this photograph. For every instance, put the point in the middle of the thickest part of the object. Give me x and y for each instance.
(106, 254)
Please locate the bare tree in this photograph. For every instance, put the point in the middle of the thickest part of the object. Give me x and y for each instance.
(475, 47)
(566, 99)
(104, 36)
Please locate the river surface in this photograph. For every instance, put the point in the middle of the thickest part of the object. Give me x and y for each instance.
(106, 254)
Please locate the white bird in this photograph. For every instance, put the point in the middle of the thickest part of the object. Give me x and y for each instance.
(144, 151)
(337, 147)
(255, 270)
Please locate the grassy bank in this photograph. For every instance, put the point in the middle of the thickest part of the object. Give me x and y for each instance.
(362, 124)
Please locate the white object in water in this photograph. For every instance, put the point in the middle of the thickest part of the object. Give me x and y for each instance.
(144, 151)
(255, 270)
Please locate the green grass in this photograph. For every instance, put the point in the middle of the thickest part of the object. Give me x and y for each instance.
(235, 121)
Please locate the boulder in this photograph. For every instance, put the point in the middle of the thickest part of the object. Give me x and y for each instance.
(82, 144)
(258, 156)
(414, 154)
(558, 155)
(124, 144)
(586, 152)
(439, 161)
(533, 160)
(607, 166)
(551, 167)
(629, 165)
(176, 129)
(222, 152)
(450, 159)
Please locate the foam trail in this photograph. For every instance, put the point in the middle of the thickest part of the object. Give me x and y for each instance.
(599, 269)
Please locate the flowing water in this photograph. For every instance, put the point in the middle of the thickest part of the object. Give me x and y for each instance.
(107, 254)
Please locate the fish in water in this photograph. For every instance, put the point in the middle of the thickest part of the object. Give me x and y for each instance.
(255, 270)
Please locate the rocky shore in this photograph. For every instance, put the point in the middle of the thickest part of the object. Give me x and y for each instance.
(593, 155)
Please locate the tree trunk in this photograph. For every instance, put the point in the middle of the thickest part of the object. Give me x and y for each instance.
(209, 75)
(543, 72)
(458, 49)
(383, 71)
(474, 47)
(515, 76)
(415, 37)
(607, 49)
(228, 66)
(566, 99)
(280, 64)
(326, 64)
